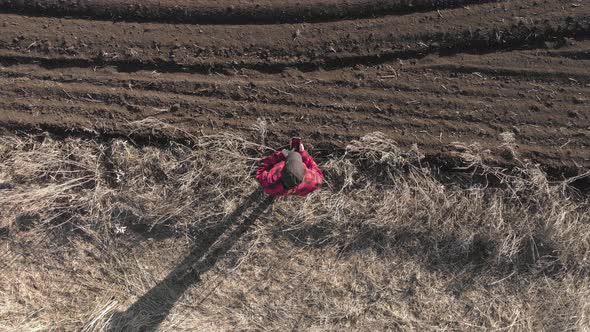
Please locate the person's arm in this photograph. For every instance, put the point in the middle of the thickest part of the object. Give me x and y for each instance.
(313, 178)
(262, 174)
(311, 164)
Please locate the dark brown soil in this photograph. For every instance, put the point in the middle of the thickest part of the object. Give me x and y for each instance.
(226, 11)
(453, 74)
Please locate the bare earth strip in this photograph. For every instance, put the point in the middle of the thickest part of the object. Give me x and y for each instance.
(227, 11)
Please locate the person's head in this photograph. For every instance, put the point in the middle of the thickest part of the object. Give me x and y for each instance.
(294, 170)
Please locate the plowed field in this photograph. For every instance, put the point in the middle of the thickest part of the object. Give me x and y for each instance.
(426, 72)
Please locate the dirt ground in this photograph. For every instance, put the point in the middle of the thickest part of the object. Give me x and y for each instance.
(462, 74)
(459, 74)
(227, 11)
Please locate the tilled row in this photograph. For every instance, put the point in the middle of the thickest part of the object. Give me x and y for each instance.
(226, 11)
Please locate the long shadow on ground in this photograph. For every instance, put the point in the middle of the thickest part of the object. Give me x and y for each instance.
(151, 309)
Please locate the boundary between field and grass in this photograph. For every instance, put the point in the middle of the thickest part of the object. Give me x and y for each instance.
(442, 162)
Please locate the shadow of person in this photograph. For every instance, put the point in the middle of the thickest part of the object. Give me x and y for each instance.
(151, 309)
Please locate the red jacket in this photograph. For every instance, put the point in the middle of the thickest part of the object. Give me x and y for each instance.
(270, 172)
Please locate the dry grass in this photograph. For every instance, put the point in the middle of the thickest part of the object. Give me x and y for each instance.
(386, 245)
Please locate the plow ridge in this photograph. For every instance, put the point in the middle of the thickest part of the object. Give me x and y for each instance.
(500, 38)
(225, 12)
(549, 75)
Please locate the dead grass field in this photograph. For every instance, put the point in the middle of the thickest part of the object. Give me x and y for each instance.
(111, 235)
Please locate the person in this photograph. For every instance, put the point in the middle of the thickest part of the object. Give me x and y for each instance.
(289, 172)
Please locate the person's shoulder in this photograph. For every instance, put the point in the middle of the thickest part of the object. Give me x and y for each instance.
(304, 154)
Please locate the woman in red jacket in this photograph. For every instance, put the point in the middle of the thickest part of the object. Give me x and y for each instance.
(291, 172)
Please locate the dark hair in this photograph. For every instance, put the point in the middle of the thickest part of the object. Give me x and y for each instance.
(294, 170)
(289, 180)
